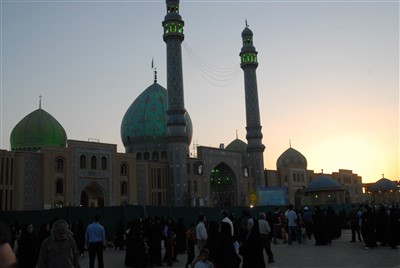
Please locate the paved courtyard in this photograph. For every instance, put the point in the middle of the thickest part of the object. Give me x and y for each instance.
(341, 253)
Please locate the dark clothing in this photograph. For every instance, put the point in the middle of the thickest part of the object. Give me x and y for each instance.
(59, 253)
(252, 249)
(320, 223)
(154, 242)
(266, 242)
(382, 226)
(368, 228)
(28, 250)
(190, 241)
(225, 254)
(135, 255)
(354, 225)
(394, 227)
(96, 249)
(95, 237)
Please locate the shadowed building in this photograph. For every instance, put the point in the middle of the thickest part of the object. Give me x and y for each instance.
(46, 170)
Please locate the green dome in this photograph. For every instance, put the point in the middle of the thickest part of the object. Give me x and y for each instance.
(144, 121)
(291, 158)
(37, 130)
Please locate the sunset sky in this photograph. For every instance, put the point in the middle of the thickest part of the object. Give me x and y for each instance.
(328, 74)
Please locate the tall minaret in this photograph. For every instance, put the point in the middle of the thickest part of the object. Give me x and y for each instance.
(177, 138)
(249, 64)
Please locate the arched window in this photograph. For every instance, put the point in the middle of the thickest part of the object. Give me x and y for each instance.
(155, 156)
(195, 186)
(103, 163)
(164, 155)
(124, 188)
(139, 156)
(146, 156)
(59, 164)
(93, 162)
(59, 186)
(124, 170)
(82, 162)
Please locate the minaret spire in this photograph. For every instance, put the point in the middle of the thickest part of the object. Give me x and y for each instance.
(176, 133)
(40, 101)
(249, 64)
(154, 70)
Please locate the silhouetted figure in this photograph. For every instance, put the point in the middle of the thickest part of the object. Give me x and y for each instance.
(320, 222)
(155, 237)
(28, 248)
(135, 255)
(368, 227)
(225, 254)
(252, 248)
(119, 235)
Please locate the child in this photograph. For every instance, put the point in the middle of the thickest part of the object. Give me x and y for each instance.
(204, 262)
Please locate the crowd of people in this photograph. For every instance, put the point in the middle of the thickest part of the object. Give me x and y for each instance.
(228, 242)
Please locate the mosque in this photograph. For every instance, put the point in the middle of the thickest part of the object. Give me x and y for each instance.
(45, 170)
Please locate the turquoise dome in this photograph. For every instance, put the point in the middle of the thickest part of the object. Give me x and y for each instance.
(37, 130)
(323, 181)
(291, 158)
(383, 185)
(144, 121)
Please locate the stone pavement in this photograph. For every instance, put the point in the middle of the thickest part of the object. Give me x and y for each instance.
(341, 253)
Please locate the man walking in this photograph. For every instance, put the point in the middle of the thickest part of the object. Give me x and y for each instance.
(95, 239)
(265, 231)
(59, 249)
(291, 217)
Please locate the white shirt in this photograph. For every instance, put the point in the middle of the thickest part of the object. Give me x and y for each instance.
(264, 226)
(291, 217)
(227, 220)
(201, 231)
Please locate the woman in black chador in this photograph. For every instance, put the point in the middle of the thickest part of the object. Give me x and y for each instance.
(368, 227)
(225, 253)
(252, 247)
(394, 227)
(320, 223)
(28, 251)
(135, 255)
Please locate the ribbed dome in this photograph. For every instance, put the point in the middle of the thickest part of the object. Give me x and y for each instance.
(291, 158)
(323, 181)
(37, 130)
(144, 121)
(383, 185)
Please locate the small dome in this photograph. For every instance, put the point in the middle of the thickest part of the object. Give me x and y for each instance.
(247, 33)
(238, 145)
(383, 185)
(323, 181)
(145, 119)
(291, 158)
(37, 130)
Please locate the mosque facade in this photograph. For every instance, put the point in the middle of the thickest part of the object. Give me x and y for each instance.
(45, 170)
